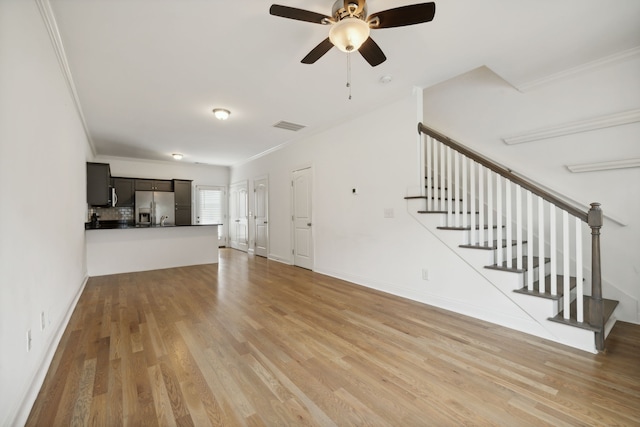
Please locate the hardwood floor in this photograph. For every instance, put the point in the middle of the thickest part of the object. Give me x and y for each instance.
(258, 343)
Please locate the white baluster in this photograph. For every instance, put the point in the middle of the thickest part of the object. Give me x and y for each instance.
(443, 175)
(456, 195)
(472, 202)
(508, 223)
(465, 197)
(530, 250)
(541, 274)
(499, 251)
(553, 250)
(566, 281)
(489, 208)
(579, 284)
(428, 170)
(519, 226)
(436, 175)
(480, 203)
(449, 189)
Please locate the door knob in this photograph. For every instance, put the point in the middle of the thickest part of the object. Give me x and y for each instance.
(308, 224)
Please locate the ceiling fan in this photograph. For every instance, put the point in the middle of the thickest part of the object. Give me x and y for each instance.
(350, 26)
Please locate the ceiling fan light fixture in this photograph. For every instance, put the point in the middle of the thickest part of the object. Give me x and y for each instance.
(221, 113)
(349, 34)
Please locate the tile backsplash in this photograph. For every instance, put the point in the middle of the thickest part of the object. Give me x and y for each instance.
(112, 214)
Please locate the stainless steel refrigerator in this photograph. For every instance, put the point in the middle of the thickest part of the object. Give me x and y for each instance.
(155, 208)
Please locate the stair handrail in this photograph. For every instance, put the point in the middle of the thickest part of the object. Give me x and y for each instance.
(593, 217)
(505, 172)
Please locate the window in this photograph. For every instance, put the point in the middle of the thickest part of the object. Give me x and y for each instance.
(210, 208)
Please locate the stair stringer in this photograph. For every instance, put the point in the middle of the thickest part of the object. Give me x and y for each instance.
(538, 310)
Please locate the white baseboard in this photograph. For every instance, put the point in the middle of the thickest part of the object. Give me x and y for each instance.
(274, 257)
(31, 394)
(521, 324)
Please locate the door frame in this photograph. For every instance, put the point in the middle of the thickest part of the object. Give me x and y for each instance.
(254, 225)
(244, 184)
(292, 213)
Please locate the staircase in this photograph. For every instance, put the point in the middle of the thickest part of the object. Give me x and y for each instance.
(526, 241)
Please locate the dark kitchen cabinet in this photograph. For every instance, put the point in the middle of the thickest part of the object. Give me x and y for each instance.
(144, 185)
(125, 192)
(153, 185)
(163, 185)
(182, 191)
(182, 194)
(183, 215)
(98, 184)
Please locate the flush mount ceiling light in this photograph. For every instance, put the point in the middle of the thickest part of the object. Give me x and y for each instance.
(221, 113)
(177, 156)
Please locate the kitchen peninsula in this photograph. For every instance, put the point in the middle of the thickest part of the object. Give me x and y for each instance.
(126, 248)
(142, 223)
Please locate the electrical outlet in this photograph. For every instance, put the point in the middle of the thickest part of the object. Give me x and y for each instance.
(43, 322)
(425, 274)
(28, 340)
(388, 213)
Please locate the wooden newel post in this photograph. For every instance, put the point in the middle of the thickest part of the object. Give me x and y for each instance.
(596, 309)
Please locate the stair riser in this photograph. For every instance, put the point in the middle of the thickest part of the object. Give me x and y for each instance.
(538, 308)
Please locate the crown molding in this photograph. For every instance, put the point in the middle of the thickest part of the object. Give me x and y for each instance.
(56, 40)
(579, 126)
(571, 72)
(604, 166)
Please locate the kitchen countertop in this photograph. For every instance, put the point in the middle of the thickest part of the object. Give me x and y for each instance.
(112, 225)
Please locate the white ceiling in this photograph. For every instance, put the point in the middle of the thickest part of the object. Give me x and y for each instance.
(149, 72)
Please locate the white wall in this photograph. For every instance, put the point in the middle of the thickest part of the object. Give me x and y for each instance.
(479, 108)
(375, 153)
(43, 150)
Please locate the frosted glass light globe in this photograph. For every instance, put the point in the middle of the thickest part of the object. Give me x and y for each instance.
(349, 34)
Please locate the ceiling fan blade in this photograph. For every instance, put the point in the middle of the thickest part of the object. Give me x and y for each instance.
(318, 51)
(404, 15)
(372, 53)
(299, 14)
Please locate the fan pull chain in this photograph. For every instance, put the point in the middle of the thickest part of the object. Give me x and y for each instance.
(349, 74)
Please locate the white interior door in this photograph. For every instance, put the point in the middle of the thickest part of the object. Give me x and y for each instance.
(261, 216)
(238, 216)
(302, 219)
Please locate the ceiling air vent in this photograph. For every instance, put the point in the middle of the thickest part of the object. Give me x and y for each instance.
(288, 126)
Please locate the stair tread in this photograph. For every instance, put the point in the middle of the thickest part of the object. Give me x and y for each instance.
(503, 266)
(464, 228)
(547, 294)
(444, 212)
(609, 307)
(487, 246)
